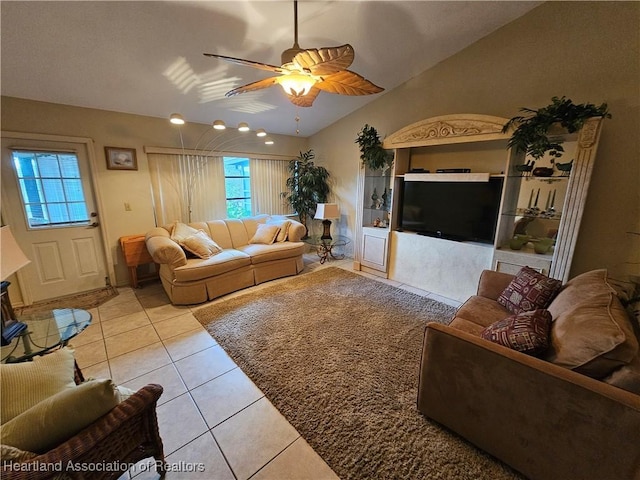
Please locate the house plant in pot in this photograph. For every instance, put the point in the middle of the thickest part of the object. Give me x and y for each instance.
(372, 154)
(307, 184)
(531, 131)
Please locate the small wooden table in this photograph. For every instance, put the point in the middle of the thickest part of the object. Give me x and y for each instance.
(135, 253)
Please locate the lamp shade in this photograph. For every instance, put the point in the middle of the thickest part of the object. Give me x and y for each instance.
(326, 211)
(12, 258)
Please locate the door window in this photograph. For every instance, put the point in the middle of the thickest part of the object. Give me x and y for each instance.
(51, 188)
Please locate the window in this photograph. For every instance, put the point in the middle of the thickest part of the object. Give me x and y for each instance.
(51, 188)
(237, 185)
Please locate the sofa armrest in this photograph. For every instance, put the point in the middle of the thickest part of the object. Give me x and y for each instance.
(492, 283)
(163, 250)
(545, 421)
(296, 231)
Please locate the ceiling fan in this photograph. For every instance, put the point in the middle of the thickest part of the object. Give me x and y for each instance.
(304, 73)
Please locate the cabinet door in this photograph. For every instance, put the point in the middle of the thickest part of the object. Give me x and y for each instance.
(375, 248)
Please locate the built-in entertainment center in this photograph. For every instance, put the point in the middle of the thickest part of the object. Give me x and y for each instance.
(458, 201)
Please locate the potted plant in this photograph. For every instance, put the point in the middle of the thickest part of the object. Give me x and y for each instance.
(531, 131)
(308, 185)
(372, 154)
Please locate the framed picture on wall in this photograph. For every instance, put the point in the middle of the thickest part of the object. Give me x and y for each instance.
(121, 158)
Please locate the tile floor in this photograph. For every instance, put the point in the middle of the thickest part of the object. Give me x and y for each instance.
(210, 412)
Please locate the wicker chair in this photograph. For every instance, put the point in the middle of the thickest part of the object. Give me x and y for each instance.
(124, 436)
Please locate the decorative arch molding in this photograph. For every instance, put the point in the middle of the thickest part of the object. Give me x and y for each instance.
(457, 128)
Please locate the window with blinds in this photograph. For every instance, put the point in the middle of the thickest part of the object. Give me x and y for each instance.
(51, 188)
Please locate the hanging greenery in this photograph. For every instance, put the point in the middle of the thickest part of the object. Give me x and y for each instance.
(372, 154)
(308, 185)
(530, 134)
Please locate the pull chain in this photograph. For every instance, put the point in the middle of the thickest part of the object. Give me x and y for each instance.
(297, 122)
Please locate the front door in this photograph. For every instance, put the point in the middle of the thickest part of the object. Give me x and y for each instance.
(49, 203)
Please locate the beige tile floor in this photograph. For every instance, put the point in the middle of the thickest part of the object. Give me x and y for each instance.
(210, 412)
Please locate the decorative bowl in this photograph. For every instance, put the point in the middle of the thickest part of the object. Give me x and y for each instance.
(542, 172)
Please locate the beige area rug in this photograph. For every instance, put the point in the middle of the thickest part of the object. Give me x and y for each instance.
(84, 300)
(338, 355)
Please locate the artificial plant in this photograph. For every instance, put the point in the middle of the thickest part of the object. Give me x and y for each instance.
(308, 185)
(372, 154)
(531, 131)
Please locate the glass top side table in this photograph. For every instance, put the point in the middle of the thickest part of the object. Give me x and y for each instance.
(45, 331)
(325, 246)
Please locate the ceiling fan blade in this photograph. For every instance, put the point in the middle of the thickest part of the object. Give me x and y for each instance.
(348, 83)
(305, 100)
(325, 61)
(247, 63)
(250, 87)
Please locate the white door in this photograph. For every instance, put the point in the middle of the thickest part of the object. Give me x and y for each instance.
(49, 203)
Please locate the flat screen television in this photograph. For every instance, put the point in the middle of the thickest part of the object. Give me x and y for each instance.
(463, 211)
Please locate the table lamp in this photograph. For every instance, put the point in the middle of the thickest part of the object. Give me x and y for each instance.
(324, 212)
(12, 259)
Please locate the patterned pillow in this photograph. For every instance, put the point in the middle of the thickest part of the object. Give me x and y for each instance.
(529, 290)
(526, 332)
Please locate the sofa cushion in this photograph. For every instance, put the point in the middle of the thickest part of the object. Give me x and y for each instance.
(198, 269)
(592, 335)
(23, 385)
(529, 290)
(57, 418)
(219, 233)
(200, 245)
(626, 377)
(260, 253)
(461, 324)
(526, 332)
(265, 234)
(481, 311)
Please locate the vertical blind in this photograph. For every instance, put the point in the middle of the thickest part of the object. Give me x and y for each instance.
(190, 188)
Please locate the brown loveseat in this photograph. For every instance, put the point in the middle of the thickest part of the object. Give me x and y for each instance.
(538, 414)
(244, 256)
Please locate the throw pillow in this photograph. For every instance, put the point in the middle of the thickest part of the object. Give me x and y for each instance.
(181, 231)
(594, 336)
(22, 385)
(526, 332)
(200, 245)
(13, 454)
(265, 234)
(59, 417)
(529, 290)
(284, 229)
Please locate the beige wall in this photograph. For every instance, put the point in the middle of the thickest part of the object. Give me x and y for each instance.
(120, 130)
(586, 51)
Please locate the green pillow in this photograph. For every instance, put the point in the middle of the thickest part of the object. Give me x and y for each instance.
(23, 385)
(59, 417)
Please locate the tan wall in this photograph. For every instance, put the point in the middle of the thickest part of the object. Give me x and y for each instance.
(120, 130)
(586, 51)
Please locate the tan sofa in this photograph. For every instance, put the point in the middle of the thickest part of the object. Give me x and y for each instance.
(240, 263)
(537, 413)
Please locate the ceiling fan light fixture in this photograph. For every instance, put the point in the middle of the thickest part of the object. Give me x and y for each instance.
(176, 119)
(261, 132)
(243, 127)
(296, 84)
(219, 125)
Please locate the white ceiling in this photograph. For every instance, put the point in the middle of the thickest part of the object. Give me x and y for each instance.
(146, 57)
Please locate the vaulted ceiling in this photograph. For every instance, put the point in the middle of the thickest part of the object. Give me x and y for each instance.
(147, 57)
